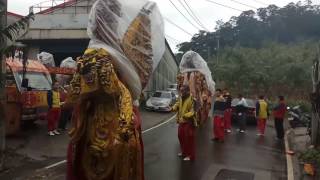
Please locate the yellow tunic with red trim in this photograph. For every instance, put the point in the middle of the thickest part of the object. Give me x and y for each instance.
(185, 110)
(56, 99)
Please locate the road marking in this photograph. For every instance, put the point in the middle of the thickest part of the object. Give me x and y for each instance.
(145, 131)
(56, 164)
(161, 124)
(289, 158)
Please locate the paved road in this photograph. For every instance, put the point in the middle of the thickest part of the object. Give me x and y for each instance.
(33, 149)
(262, 157)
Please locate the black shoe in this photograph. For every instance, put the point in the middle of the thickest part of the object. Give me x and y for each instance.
(214, 139)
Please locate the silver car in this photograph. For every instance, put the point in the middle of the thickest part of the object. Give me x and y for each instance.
(173, 88)
(161, 101)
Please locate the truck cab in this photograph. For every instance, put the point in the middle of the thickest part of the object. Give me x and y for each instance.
(26, 103)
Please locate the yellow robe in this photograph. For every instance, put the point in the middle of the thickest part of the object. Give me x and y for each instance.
(185, 110)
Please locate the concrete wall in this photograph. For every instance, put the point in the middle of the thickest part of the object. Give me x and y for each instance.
(59, 21)
(33, 51)
(165, 74)
(47, 34)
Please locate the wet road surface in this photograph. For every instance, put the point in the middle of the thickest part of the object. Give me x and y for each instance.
(262, 158)
(241, 157)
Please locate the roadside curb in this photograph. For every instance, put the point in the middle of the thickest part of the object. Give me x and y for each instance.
(289, 158)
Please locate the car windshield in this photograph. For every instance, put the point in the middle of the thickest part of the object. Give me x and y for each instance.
(162, 95)
(36, 80)
(251, 103)
(173, 86)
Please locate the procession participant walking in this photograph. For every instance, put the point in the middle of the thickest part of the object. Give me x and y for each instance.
(126, 45)
(241, 110)
(262, 115)
(218, 117)
(53, 116)
(279, 112)
(66, 112)
(187, 122)
(228, 111)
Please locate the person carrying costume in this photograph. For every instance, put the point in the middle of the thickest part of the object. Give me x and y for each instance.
(218, 116)
(187, 122)
(195, 73)
(126, 44)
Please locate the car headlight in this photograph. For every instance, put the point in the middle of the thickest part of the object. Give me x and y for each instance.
(148, 103)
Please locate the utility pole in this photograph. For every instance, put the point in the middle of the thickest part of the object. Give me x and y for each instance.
(209, 53)
(218, 47)
(3, 24)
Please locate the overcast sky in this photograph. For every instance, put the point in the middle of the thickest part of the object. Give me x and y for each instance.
(208, 13)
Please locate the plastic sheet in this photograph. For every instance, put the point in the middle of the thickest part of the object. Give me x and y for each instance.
(193, 62)
(133, 33)
(66, 63)
(46, 59)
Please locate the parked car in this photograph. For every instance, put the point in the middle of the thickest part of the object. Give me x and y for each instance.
(173, 88)
(251, 113)
(161, 101)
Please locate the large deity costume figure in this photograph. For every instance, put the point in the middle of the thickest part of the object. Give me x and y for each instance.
(195, 73)
(126, 45)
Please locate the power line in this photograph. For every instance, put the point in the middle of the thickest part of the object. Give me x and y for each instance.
(192, 14)
(226, 6)
(184, 15)
(173, 39)
(169, 21)
(244, 4)
(261, 2)
(192, 17)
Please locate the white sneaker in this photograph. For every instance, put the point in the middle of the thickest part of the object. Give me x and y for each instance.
(56, 132)
(241, 131)
(50, 133)
(259, 134)
(180, 154)
(187, 159)
(229, 131)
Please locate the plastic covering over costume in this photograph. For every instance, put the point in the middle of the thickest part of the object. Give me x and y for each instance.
(195, 72)
(66, 63)
(46, 59)
(127, 43)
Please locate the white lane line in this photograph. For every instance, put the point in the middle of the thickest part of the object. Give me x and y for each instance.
(161, 124)
(289, 158)
(145, 131)
(56, 164)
